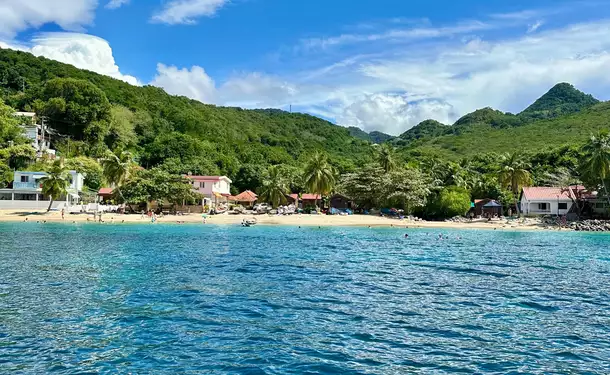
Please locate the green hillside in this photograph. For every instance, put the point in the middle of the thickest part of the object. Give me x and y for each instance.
(229, 137)
(534, 137)
(373, 137)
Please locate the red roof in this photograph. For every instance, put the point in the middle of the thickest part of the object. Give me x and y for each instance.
(306, 197)
(246, 196)
(105, 191)
(545, 193)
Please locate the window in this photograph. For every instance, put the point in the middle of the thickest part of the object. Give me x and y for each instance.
(543, 206)
(202, 185)
(563, 206)
(25, 197)
(25, 178)
(6, 196)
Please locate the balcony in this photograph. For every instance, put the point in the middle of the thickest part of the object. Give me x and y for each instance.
(26, 185)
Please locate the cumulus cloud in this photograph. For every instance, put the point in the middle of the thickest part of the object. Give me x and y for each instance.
(19, 15)
(194, 83)
(81, 50)
(393, 113)
(187, 11)
(115, 4)
(249, 90)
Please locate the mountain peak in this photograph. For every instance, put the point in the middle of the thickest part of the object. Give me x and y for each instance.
(561, 99)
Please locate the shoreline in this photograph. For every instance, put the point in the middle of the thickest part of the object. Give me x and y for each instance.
(266, 220)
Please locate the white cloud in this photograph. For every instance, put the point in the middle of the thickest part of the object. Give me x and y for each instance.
(81, 50)
(19, 15)
(193, 83)
(247, 90)
(115, 4)
(187, 11)
(393, 113)
(535, 26)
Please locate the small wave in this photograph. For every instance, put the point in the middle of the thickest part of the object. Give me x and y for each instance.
(537, 306)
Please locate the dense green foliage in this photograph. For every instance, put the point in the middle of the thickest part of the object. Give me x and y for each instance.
(106, 128)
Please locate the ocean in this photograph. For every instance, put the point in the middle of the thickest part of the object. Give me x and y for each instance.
(202, 299)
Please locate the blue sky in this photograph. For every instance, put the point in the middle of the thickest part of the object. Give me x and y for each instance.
(380, 65)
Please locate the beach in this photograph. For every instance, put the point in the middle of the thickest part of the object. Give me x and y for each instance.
(291, 220)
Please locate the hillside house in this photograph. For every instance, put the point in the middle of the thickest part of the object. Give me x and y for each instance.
(215, 189)
(25, 192)
(39, 134)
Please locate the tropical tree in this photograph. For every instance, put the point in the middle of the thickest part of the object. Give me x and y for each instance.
(56, 182)
(364, 186)
(453, 201)
(319, 175)
(596, 166)
(386, 157)
(514, 174)
(117, 168)
(274, 187)
(406, 188)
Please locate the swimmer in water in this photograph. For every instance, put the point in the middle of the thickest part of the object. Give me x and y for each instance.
(406, 235)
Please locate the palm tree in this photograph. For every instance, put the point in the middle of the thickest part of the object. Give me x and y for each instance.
(513, 175)
(117, 168)
(386, 157)
(274, 188)
(56, 182)
(597, 162)
(319, 176)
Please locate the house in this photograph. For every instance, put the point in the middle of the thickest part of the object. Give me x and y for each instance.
(547, 200)
(306, 200)
(39, 134)
(215, 189)
(340, 202)
(246, 198)
(104, 194)
(25, 192)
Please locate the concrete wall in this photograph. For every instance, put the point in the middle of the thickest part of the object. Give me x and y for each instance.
(531, 207)
(30, 205)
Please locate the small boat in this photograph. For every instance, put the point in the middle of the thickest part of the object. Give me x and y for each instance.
(248, 222)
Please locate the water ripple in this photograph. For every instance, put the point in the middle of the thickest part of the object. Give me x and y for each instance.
(90, 299)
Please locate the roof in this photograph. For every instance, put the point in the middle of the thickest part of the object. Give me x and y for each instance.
(306, 197)
(492, 204)
(246, 196)
(208, 178)
(547, 193)
(105, 191)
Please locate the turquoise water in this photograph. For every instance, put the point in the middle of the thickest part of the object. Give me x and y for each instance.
(131, 299)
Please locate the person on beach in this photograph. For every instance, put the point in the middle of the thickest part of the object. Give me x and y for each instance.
(63, 211)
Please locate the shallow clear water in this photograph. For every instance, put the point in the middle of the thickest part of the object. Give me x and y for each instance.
(88, 299)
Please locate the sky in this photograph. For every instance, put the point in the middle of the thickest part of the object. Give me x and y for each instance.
(381, 65)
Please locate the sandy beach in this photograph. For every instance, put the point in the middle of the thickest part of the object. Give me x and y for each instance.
(292, 220)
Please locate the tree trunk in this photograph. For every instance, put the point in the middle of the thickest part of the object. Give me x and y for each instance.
(50, 205)
(605, 190)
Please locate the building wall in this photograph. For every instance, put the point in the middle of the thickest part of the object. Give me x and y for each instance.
(531, 207)
(209, 187)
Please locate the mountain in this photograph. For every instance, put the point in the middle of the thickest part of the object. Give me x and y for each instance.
(373, 137)
(185, 135)
(562, 99)
(532, 137)
(229, 139)
(423, 130)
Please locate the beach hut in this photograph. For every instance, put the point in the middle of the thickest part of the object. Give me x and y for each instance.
(104, 194)
(492, 208)
(246, 198)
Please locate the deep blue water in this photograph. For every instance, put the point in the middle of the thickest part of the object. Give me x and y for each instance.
(138, 299)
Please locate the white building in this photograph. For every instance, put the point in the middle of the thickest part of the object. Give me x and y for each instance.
(26, 192)
(546, 201)
(37, 133)
(215, 189)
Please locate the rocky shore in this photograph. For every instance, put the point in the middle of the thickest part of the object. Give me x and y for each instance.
(591, 226)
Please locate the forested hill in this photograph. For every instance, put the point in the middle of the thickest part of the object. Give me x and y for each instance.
(207, 138)
(96, 113)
